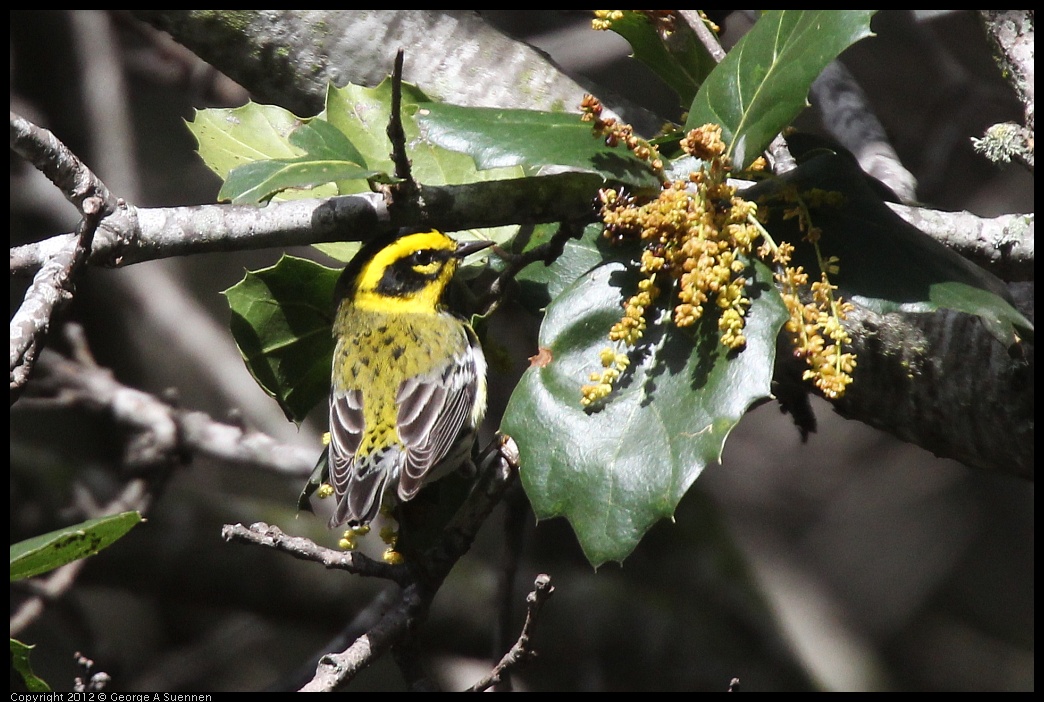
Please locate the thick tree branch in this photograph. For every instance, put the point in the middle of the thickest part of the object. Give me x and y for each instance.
(1002, 245)
(1012, 34)
(906, 385)
(289, 56)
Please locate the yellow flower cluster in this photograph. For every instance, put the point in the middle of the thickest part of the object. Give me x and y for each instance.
(604, 19)
(613, 366)
(812, 323)
(696, 233)
(662, 20)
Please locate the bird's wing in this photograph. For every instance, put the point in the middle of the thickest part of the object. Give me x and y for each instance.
(358, 483)
(433, 410)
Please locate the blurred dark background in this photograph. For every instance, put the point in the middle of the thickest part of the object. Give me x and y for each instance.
(883, 567)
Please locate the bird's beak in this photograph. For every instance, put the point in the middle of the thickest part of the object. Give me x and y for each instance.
(466, 248)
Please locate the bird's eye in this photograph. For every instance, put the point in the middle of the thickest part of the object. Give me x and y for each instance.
(422, 258)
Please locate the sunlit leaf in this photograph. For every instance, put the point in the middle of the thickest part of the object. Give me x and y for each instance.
(679, 59)
(328, 156)
(497, 138)
(762, 83)
(231, 137)
(20, 662)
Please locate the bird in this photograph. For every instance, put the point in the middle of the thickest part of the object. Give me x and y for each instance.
(408, 382)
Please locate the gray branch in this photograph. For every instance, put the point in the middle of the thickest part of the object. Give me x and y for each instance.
(159, 432)
(846, 114)
(1002, 245)
(288, 57)
(132, 235)
(1012, 35)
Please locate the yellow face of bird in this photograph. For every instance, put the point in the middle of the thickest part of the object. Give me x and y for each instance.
(408, 275)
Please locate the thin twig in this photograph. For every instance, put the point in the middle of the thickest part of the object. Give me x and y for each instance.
(52, 288)
(53, 283)
(90, 682)
(703, 33)
(396, 134)
(548, 253)
(51, 157)
(261, 534)
(513, 529)
(522, 651)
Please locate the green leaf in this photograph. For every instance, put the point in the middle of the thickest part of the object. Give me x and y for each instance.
(615, 471)
(679, 59)
(886, 264)
(46, 552)
(539, 283)
(342, 251)
(328, 157)
(762, 84)
(326, 141)
(20, 662)
(363, 114)
(229, 138)
(498, 138)
(281, 321)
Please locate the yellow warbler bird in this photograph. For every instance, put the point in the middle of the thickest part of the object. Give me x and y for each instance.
(409, 378)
